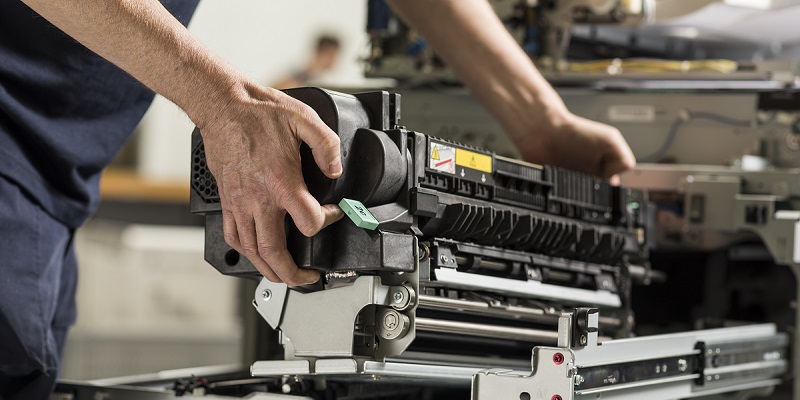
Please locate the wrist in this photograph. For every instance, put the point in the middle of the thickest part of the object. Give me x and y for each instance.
(212, 96)
(537, 118)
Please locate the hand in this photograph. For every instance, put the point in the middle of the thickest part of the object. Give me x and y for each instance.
(252, 148)
(579, 144)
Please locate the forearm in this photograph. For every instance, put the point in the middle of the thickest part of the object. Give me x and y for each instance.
(145, 40)
(473, 41)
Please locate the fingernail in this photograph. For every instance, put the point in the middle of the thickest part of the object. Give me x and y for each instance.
(335, 168)
(314, 278)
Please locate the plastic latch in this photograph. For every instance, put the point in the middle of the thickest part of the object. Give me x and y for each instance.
(358, 213)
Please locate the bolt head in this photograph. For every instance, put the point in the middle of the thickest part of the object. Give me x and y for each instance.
(583, 340)
(266, 294)
(398, 297)
(443, 259)
(558, 358)
(390, 321)
(556, 397)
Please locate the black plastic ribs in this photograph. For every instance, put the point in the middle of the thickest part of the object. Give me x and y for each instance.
(529, 232)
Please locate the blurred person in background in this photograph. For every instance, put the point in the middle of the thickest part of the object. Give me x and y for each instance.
(323, 59)
(76, 76)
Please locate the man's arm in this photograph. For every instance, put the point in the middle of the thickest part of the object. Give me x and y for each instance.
(252, 134)
(471, 39)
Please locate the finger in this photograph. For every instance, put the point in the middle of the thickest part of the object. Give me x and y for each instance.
(620, 157)
(229, 232)
(332, 213)
(246, 231)
(307, 214)
(615, 180)
(272, 249)
(324, 143)
(620, 161)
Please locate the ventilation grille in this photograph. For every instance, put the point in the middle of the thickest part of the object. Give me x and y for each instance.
(203, 182)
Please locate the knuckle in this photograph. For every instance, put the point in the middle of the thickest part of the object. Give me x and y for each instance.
(249, 248)
(306, 112)
(231, 238)
(332, 141)
(269, 251)
(234, 195)
(309, 228)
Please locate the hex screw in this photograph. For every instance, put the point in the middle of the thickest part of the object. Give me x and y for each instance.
(558, 358)
(556, 397)
(266, 294)
(583, 340)
(443, 259)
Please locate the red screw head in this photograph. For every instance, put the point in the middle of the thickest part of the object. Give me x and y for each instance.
(558, 358)
(555, 397)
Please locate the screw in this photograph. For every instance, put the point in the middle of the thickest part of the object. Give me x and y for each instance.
(443, 259)
(266, 294)
(555, 397)
(682, 365)
(558, 358)
(583, 340)
(398, 297)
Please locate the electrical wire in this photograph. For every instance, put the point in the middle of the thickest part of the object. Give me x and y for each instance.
(652, 65)
(673, 130)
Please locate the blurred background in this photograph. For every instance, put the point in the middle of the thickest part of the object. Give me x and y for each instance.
(147, 300)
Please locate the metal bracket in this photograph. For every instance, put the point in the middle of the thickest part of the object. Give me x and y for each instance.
(552, 378)
(325, 323)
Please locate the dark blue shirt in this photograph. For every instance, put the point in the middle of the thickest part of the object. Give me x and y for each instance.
(65, 112)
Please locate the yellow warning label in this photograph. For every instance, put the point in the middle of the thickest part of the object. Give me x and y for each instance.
(470, 159)
(435, 153)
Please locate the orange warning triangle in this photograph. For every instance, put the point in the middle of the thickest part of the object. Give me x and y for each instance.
(435, 153)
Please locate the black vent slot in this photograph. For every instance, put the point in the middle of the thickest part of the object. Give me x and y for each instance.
(520, 185)
(579, 196)
(203, 182)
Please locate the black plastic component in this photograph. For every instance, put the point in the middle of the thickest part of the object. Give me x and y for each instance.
(580, 326)
(755, 214)
(381, 170)
(424, 204)
(783, 100)
(702, 361)
(514, 217)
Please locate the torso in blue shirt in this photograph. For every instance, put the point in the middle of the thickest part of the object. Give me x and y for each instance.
(64, 111)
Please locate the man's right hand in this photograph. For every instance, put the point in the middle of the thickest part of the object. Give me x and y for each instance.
(252, 134)
(252, 148)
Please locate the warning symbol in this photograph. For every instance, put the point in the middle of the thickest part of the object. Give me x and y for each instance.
(472, 162)
(442, 158)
